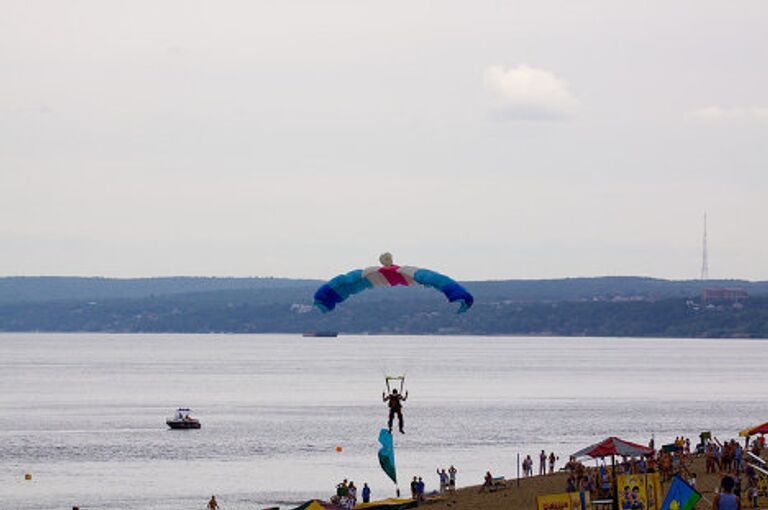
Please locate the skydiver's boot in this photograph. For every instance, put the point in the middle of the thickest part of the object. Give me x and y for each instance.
(400, 422)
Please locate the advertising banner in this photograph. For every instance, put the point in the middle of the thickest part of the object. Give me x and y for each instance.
(639, 492)
(564, 501)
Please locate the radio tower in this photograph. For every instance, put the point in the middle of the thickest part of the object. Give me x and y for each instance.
(704, 255)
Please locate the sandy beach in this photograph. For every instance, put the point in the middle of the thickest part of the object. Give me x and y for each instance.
(523, 496)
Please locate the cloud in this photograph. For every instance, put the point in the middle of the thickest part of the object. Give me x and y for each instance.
(716, 113)
(527, 93)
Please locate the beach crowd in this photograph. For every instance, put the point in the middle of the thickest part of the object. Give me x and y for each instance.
(728, 458)
(346, 494)
(346, 491)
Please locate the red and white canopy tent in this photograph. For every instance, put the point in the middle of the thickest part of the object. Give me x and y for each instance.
(613, 446)
(759, 429)
(610, 448)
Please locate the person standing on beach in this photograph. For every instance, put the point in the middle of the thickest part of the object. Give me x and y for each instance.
(420, 489)
(552, 460)
(352, 494)
(452, 478)
(415, 489)
(366, 493)
(213, 504)
(443, 480)
(726, 499)
(542, 463)
(528, 466)
(395, 402)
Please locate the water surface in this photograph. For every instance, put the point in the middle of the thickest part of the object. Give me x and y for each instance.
(84, 413)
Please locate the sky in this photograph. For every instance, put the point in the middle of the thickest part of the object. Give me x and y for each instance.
(484, 139)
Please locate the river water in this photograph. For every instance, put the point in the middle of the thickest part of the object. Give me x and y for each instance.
(84, 414)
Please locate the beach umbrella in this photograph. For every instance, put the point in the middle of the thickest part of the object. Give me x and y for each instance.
(613, 446)
(760, 429)
(610, 448)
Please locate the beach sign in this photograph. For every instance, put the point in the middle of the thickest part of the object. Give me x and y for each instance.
(564, 501)
(639, 491)
(653, 491)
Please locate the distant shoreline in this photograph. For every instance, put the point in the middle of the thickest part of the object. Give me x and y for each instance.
(622, 307)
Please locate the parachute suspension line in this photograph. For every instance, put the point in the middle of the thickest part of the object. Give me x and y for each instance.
(400, 378)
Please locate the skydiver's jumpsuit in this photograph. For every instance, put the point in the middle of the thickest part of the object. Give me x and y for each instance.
(395, 408)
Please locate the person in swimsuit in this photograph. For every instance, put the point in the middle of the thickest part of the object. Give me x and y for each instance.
(726, 499)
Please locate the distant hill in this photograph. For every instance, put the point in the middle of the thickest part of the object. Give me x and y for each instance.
(35, 289)
(609, 306)
(605, 287)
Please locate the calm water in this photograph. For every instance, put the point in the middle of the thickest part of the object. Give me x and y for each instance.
(84, 414)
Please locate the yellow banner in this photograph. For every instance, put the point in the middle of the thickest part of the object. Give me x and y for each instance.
(564, 501)
(639, 492)
(653, 491)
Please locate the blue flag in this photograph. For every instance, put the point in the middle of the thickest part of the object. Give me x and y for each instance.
(680, 496)
(387, 454)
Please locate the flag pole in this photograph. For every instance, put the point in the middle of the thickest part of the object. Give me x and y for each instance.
(615, 504)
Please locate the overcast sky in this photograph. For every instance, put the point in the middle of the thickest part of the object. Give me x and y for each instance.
(482, 139)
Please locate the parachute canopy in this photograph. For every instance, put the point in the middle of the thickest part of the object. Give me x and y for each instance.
(387, 454)
(342, 286)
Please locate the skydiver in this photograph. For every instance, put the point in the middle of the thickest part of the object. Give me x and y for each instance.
(395, 402)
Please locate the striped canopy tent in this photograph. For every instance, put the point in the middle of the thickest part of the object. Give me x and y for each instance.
(613, 446)
(760, 429)
(389, 504)
(316, 504)
(610, 448)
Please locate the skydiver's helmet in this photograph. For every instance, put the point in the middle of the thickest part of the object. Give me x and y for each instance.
(394, 391)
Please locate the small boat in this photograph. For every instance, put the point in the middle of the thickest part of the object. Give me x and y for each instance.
(182, 420)
(325, 334)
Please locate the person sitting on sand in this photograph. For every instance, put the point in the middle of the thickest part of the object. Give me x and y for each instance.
(395, 402)
(487, 481)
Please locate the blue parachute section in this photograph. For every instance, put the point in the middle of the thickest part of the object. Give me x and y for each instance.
(340, 288)
(452, 290)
